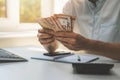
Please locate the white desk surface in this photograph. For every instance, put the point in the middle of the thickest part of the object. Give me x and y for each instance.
(44, 70)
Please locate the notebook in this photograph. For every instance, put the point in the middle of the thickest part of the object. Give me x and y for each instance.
(69, 58)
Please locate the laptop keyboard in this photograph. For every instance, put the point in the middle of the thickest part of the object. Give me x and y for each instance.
(6, 56)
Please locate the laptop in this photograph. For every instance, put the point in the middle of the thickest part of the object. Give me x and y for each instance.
(6, 56)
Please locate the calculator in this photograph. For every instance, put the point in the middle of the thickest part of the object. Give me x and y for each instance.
(92, 68)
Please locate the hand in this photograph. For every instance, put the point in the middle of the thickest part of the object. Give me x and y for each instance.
(44, 37)
(47, 39)
(71, 40)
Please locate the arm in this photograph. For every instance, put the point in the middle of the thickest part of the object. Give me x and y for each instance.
(111, 50)
(77, 42)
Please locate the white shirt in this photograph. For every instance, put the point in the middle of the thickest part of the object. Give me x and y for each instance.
(100, 22)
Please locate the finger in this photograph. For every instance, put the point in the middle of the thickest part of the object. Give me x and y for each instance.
(47, 41)
(66, 40)
(46, 31)
(69, 46)
(44, 36)
(66, 34)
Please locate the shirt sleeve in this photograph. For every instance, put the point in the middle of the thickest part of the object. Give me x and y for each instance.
(68, 8)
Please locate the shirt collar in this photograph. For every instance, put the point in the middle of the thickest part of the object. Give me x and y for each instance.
(97, 2)
(100, 1)
(97, 7)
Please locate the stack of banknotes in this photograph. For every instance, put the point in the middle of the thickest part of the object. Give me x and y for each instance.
(58, 22)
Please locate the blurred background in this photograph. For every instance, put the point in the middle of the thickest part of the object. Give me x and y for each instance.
(18, 26)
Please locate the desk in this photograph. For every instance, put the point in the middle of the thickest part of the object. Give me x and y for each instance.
(44, 70)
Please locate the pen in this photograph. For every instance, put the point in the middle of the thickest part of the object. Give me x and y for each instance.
(78, 58)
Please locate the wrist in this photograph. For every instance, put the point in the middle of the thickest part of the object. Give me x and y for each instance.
(85, 43)
(89, 44)
(94, 45)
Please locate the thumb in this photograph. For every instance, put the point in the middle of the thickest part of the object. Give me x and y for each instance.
(48, 31)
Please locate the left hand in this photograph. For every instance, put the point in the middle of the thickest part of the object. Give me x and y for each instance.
(45, 36)
(71, 40)
(47, 39)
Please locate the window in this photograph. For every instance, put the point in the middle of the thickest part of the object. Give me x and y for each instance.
(22, 14)
(30, 10)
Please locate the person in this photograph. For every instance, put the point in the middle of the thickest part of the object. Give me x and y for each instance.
(98, 22)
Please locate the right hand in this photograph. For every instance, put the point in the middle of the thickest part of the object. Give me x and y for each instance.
(47, 39)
